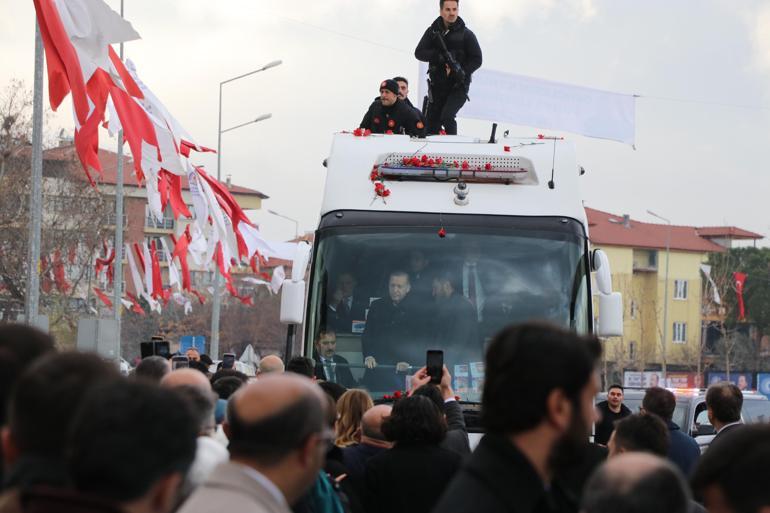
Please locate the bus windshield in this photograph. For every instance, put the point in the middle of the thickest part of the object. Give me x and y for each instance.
(381, 297)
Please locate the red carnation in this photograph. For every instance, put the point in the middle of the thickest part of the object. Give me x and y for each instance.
(379, 186)
(415, 161)
(389, 132)
(507, 148)
(374, 175)
(367, 132)
(386, 192)
(466, 165)
(431, 162)
(424, 158)
(405, 160)
(488, 166)
(358, 132)
(439, 160)
(442, 233)
(540, 136)
(442, 132)
(397, 394)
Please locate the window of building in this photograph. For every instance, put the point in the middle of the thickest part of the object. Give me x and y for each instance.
(633, 309)
(680, 289)
(680, 332)
(632, 350)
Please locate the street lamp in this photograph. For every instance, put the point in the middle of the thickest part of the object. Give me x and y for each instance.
(665, 292)
(215, 306)
(296, 223)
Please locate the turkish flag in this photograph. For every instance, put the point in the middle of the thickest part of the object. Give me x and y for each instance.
(740, 282)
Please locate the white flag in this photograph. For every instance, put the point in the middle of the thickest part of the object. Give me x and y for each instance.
(537, 103)
(706, 270)
(278, 276)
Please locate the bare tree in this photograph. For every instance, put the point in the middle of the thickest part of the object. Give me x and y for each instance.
(75, 217)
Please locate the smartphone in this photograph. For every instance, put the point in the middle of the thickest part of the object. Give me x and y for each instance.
(179, 362)
(228, 360)
(434, 362)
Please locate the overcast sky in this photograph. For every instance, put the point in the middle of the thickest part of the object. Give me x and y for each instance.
(701, 66)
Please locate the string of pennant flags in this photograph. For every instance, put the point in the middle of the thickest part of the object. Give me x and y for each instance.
(107, 92)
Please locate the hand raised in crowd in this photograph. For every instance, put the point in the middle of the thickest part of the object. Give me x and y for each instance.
(370, 362)
(421, 378)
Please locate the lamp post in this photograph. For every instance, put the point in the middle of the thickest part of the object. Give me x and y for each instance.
(217, 301)
(296, 223)
(665, 293)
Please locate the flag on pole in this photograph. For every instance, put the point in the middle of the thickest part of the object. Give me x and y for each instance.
(740, 283)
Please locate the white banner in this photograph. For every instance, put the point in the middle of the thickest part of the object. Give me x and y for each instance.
(527, 101)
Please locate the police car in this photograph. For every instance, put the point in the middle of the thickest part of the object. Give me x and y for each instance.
(691, 414)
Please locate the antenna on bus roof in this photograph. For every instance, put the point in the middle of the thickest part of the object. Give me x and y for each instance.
(494, 132)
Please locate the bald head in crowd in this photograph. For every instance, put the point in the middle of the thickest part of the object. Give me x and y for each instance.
(276, 425)
(185, 377)
(636, 482)
(371, 426)
(270, 364)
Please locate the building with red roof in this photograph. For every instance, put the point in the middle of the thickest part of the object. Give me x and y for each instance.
(638, 255)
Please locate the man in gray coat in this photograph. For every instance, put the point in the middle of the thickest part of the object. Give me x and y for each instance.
(278, 439)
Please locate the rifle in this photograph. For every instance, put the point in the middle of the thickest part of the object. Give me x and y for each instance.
(427, 101)
(456, 69)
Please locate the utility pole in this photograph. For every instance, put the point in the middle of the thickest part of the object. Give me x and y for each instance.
(118, 280)
(36, 193)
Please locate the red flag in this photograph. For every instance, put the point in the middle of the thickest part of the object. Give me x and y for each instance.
(60, 278)
(136, 308)
(198, 295)
(139, 255)
(740, 282)
(64, 69)
(103, 297)
(180, 252)
(157, 284)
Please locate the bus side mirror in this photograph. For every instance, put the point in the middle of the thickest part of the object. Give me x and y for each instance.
(601, 265)
(293, 302)
(610, 315)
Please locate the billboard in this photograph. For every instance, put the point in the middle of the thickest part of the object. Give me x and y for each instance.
(763, 384)
(648, 379)
(744, 380)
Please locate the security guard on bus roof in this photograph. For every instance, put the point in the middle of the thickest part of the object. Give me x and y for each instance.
(389, 114)
(453, 54)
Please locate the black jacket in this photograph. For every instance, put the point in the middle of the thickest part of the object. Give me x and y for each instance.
(393, 334)
(457, 434)
(499, 478)
(344, 376)
(408, 478)
(461, 43)
(398, 118)
(340, 316)
(606, 425)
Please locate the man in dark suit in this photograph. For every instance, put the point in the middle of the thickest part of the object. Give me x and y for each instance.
(455, 328)
(724, 402)
(345, 306)
(392, 336)
(329, 366)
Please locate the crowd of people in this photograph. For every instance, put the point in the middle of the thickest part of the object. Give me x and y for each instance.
(78, 436)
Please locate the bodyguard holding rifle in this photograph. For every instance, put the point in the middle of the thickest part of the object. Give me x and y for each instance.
(453, 54)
